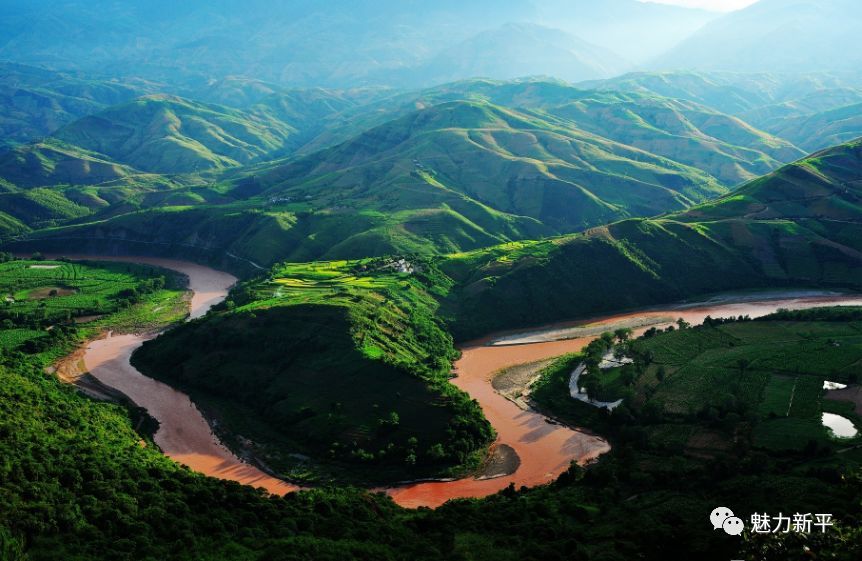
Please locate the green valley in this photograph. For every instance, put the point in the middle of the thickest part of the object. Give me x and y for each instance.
(510, 280)
(387, 319)
(798, 226)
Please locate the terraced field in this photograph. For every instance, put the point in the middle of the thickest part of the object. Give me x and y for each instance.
(38, 294)
(768, 372)
(706, 390)
(330, 370)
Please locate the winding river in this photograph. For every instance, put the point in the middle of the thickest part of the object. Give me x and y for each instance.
(545, 450)
(184, 434)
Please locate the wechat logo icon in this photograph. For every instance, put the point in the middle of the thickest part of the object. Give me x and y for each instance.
(723, 518)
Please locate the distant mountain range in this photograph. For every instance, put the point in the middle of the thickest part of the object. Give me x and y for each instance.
(637, 31)
(305, 174)
(264, 45)
(516, 50)
(775, 36)
(323, 173)
(340, 43)
(813, 111)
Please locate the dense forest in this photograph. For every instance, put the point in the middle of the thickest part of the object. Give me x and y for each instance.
(79, 483)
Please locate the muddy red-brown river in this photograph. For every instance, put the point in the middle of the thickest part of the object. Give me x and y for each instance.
(545, 450)
(184, 435)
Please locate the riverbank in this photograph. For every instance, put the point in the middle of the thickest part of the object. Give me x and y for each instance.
(184, 434)
(533, 450)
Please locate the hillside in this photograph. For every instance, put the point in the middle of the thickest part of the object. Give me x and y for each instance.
(50, 183)
(818, 130)
(741, 94)
(799, 226)
(453, 168)
(56, 163)
(34, 102)
(161, 134)
(830, 97)
(561, 176)
(724, 146)
(165, 134)
(343, 362)
(456, 176)
(683, 130)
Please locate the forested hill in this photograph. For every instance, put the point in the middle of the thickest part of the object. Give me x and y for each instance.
(799, 226)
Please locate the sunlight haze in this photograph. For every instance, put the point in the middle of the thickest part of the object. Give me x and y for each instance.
(715, 5)
(430, 280)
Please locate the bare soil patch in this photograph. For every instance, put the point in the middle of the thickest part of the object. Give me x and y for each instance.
(514, 382)
(852, 394)
(502, 460)
(50, 292)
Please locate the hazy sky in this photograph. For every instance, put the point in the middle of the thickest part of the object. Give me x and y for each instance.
(717, 5)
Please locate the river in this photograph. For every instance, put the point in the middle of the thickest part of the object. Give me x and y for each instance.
(546, 450)
(184, 434)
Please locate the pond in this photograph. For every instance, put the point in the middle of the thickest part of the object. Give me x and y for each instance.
(840, 427)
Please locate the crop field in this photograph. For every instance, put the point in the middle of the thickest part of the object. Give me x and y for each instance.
(13, 338)
(772, 369)
(342, 361)
(757, 380)
(777, 396)
(37, 294)
(380, 299)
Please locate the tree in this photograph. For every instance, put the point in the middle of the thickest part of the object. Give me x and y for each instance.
(11, 547)
(437, 452)
(591, 386)
(607, 338)
(623, 334)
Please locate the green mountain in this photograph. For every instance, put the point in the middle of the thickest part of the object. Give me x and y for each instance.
(344, 362)
(236, 91)
(735, 93)
(165, 134)
(565, 178)
(769, 117)
(723, 146)
(799, 226)
(53, 162)
(687, 132)
(51, 182)
(454, 168)
(822, 129)
(34, 102)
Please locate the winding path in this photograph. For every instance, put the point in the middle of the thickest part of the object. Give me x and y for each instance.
(546, 450)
